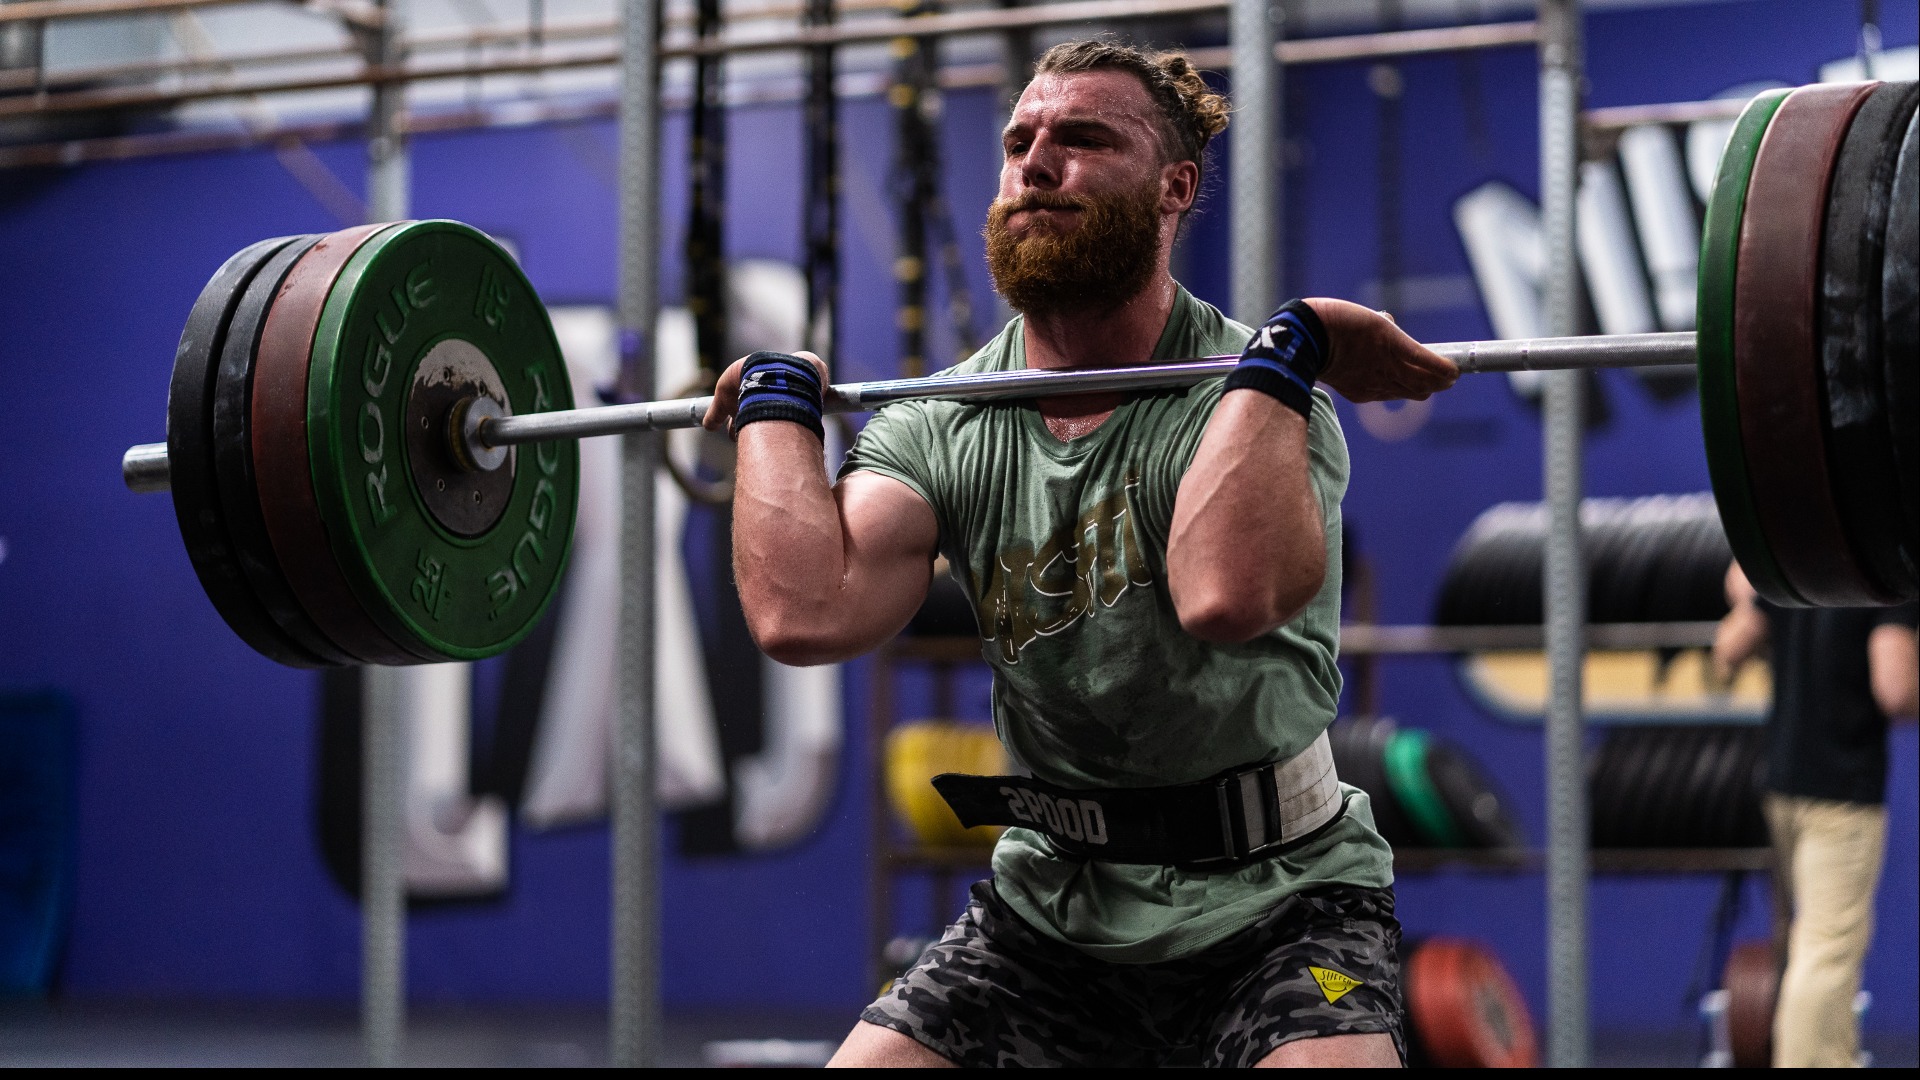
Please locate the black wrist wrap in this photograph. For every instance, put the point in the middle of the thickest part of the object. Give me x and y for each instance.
(775, 386)
(1285, 357)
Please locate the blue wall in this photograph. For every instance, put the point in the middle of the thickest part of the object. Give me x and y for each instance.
(198, 875)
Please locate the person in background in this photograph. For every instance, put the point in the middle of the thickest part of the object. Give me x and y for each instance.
(1839, 674)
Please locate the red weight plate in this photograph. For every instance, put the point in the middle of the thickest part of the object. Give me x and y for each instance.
(1751, 980)
(282, 469)
(1465, 1009)
(233, 455)
(1779, 377)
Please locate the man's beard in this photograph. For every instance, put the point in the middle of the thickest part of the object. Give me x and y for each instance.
(1098, 266)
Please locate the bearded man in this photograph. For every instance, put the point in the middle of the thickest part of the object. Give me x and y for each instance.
(1157, 581)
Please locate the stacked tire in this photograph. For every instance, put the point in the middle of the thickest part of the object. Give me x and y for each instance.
(1678, 787)
(1661, 558)
(1425, 791)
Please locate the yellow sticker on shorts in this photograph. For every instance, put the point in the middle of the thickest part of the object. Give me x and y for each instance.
(1332, 983)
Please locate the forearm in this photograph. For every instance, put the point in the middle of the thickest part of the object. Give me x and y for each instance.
(1247, 550)
(789, 548)
(1894, 669)
(1740, 635)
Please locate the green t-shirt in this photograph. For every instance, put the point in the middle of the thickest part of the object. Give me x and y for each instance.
(1062, 546)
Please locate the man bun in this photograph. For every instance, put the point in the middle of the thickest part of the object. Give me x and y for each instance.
(1204, 109)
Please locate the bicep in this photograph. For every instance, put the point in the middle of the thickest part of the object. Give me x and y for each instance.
(891, 536)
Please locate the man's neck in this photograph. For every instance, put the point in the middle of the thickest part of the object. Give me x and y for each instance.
(1112, 338)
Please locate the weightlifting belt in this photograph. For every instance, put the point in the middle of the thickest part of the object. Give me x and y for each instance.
(1246, 813)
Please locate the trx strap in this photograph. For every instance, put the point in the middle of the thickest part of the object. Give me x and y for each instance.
(733, 665)
(915, 97)
(707, 198)
(915, 165)
(1245, 814)
(823, 190)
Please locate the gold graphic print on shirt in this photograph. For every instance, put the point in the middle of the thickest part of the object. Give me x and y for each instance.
(1040, 593)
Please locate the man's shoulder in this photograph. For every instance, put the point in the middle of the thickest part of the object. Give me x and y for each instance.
(923, 416)
(1209, 329)
(1000, 353)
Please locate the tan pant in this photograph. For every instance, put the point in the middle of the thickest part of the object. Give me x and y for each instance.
(1827, 864)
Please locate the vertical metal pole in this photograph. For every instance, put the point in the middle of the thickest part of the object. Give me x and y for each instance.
(635, 1027)
(24, 45)
(1254, 202)
(383, 887)
(383, 897)
(1016, 57)
(1566, 616)
(389, 177)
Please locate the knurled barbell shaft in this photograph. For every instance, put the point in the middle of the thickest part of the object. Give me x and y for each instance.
(145, 467)
(1537, 354)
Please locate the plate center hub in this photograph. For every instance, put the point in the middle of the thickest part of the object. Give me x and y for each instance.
(464, 501)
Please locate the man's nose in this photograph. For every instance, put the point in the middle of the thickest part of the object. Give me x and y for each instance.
(1040, 168)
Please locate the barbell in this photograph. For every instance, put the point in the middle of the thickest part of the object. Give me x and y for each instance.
(369, 431)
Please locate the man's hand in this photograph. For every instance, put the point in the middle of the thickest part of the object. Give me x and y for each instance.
(1894, 669)
(1741, 633)
(726, 392)
(1374, 360)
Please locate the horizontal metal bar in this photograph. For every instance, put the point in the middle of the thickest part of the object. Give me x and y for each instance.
(142, 98)
(1301, 51)
(1389, 43)
(966, 22)
(55, 10)
(1570, 353)
(1439, 39)
(144, 473)
(345, 50)
(1539, 354)
(1620, 117)
(350, 11)
(602, 420)
(1360, 639)
(515, 113)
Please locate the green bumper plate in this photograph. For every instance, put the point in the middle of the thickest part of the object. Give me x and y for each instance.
(1719, 401)
(405, 293)
(1406, 764)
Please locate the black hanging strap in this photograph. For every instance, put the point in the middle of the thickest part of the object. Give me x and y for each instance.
(707, 202)
(823, 190)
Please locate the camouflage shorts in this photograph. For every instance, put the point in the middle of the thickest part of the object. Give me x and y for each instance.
(994, 992)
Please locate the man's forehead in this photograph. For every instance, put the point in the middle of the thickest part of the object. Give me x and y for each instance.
(1106, 96)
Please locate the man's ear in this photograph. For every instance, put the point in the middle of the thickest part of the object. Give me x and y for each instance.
(1179, 186)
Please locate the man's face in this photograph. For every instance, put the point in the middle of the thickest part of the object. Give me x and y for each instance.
(1089, 134)
(1087, 198)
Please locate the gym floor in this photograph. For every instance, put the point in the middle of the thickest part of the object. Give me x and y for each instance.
(178, 1036)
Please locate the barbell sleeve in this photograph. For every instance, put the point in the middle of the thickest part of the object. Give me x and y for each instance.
(144, 467)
